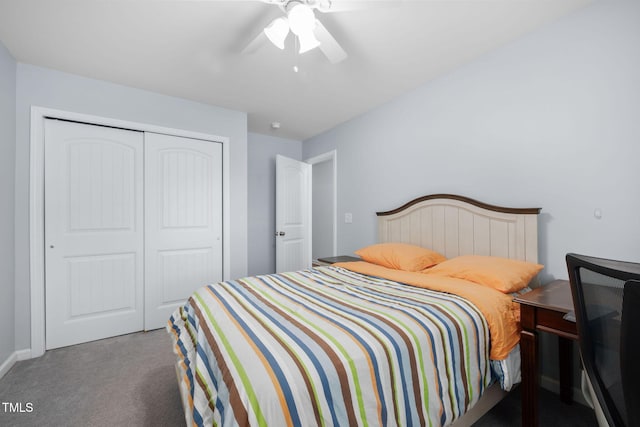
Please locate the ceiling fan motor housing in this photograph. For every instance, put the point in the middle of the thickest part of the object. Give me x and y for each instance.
(321, 5)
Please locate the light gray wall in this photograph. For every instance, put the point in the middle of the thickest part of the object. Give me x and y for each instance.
(322, 205)
(53, 89)
(550, 120)
(7, 183)
(262, 194)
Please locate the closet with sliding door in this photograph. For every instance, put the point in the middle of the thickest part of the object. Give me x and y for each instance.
(133, 225)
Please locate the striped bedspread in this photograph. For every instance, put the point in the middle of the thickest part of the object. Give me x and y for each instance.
(330, 347)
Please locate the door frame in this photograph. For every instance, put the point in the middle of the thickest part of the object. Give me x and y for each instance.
(36, 202)
(331, 156)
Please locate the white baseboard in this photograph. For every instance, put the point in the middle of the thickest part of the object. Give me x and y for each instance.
(14, 357)
(8, 364)
(553, 385)
(24, 354)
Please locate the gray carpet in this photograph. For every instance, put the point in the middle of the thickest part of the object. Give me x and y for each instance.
(122, 381)
(553, 413)
(130, 381)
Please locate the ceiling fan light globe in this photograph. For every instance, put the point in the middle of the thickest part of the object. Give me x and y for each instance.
(307, 41)
(277, 31)
(301, 19)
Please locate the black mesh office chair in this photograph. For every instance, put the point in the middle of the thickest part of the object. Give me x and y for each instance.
(630, 351)
(606, 297)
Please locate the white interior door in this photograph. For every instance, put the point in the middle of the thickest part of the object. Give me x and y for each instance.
(183, 221)
(93, 232)
(293, 214)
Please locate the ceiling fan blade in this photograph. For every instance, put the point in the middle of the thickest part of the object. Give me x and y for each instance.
(328, 45)
(255, 44)
(330, 6)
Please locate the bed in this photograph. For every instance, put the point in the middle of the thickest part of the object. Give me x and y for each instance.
(362, 343)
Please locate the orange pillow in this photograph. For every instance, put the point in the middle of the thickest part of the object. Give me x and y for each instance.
(503, 274)
(400, 256)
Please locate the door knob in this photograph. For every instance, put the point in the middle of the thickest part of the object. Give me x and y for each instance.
(280, 233)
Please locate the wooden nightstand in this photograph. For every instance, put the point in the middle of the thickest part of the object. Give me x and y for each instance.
(333, 259)
(544, 309)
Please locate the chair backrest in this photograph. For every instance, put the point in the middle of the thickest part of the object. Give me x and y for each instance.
(606, 336)
(630, 351)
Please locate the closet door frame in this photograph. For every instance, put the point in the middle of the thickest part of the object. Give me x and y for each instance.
(36, 202)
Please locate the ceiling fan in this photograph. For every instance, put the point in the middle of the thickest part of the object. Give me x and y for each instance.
(299, 19)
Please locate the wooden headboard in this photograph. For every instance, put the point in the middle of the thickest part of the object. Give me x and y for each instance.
(456, 225)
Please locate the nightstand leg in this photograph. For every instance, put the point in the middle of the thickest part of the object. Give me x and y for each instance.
(565, 350)
(529, 386)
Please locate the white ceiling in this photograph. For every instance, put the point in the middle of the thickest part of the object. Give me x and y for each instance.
(192, 49)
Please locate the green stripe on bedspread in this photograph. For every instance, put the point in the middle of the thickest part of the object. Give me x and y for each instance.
(328, 347)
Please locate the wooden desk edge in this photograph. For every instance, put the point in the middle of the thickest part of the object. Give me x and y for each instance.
(542, 296)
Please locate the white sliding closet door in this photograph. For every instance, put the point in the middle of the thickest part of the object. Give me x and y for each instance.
(183, 221)
(93, 232)
(133, 225)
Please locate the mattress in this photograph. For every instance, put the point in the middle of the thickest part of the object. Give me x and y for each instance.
(329, 346)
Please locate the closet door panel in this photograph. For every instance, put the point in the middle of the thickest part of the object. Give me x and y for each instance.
(93, 232)
(183, 221)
